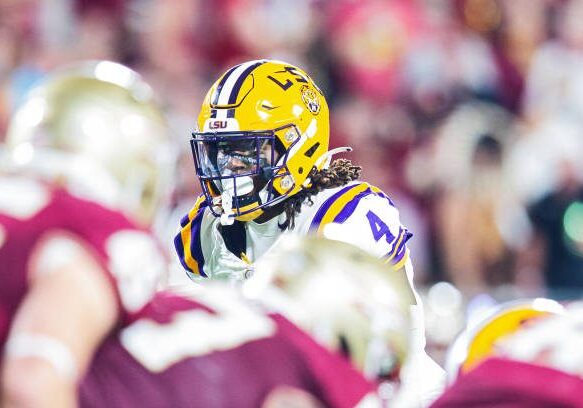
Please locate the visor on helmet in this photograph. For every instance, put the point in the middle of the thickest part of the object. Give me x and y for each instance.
(233, 155)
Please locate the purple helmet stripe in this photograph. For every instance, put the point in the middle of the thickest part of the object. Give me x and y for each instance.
(222, 83)
(240, 80)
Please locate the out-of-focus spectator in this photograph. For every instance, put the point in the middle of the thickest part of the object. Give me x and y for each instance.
(368, 40)
(554, 84)
(475, 214)
(548, 178)
(556, 247)
(476, 255)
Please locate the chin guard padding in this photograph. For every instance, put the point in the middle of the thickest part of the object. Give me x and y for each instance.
(227, 217)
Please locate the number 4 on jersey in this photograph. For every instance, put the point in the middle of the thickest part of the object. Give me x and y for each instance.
(379, 228)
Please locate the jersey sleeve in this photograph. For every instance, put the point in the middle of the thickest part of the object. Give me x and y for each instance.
(187, 241)
(137, 264)
(368, 219)
(132, 258)
(503, 383)
(339, 383)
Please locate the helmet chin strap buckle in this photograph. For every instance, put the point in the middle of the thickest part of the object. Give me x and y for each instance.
(227, 206)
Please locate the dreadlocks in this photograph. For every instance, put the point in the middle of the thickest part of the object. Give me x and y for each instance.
(340, 172)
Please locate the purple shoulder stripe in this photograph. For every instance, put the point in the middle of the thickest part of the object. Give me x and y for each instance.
(184, 221)
(326, 206)
(195, 244)
(180, 251)
(351, 206)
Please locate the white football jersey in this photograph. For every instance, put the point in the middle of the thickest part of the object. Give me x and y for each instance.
(357, 213)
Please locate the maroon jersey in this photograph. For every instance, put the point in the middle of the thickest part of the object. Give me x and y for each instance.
(212, 350)
(506, 383)
(31, 212)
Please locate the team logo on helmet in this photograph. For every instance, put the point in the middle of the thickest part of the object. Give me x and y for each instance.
(310, 98)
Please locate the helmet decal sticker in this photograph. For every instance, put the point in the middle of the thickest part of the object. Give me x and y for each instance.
(310, 99)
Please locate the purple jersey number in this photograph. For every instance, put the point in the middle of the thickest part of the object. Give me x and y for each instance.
(379, 228)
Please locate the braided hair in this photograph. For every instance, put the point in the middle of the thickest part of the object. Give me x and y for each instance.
(340, 172)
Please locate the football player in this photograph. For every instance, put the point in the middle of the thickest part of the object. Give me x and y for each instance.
(87, 147)
(346, 299)
(261, 155)
(216, 346)
(480, 339)
(525, 354)
(208, 346)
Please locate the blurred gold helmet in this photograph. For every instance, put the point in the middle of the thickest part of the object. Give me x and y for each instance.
(263, 126)
(553, 342)
(94, 126)
(481, 339)
(348, 300)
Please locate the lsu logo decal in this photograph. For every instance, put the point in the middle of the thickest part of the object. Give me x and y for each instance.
(218, 124)
(221, 124)
(310, 99)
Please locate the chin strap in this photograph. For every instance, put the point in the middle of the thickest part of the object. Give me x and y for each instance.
(227, 217)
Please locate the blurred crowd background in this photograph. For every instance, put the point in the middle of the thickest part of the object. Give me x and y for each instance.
(468, 113)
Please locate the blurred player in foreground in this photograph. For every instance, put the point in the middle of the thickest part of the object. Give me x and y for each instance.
(204, 349)
(218, 346)
(524, 354)
(346, 299)
(88, 175)
(261, 155)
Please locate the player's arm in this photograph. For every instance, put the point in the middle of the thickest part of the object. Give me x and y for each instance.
(375, 226)
(68, 310)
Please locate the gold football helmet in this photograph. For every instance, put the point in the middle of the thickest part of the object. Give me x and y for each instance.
(95, 127)
(263, 127)
(346, 298)
(479, 341)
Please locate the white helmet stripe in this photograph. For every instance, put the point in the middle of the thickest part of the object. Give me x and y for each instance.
(232, 80)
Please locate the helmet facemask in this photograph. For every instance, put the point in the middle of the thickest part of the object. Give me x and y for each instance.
(237, 171)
